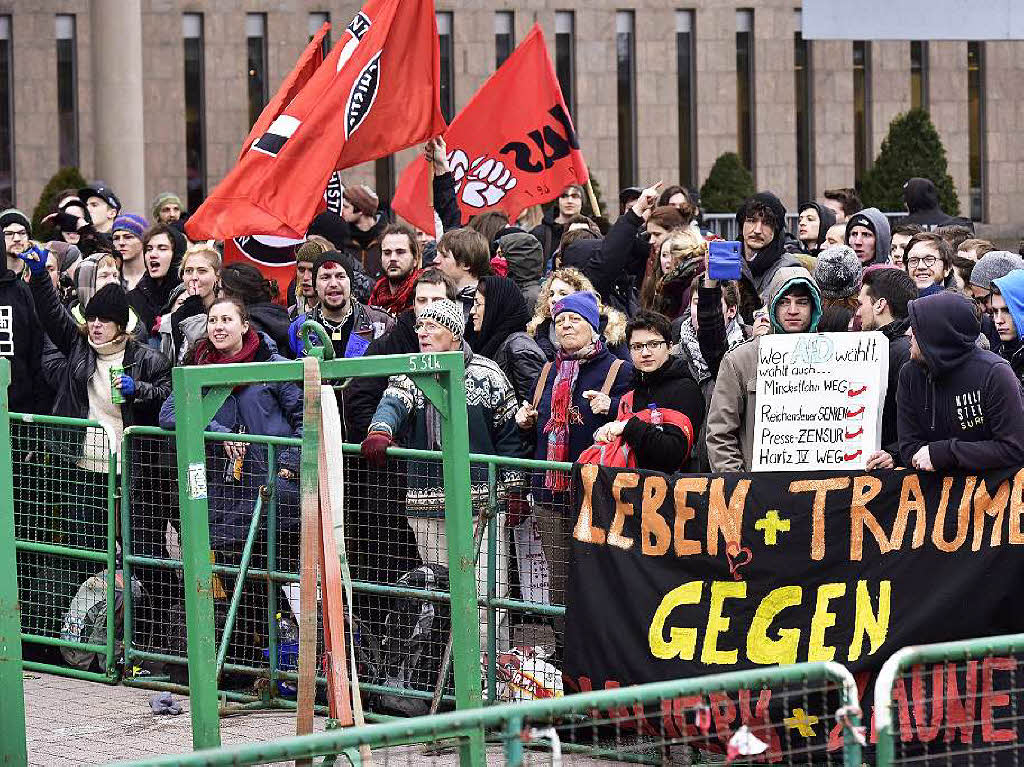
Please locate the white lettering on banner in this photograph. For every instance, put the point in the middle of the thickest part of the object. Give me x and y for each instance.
(819, 400)
(6, 332)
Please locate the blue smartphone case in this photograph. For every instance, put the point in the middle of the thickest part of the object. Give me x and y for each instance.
(724, 260)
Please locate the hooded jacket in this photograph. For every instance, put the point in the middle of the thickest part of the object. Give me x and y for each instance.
(21, 342)
(730, 432)
(922, 200)
(963, 402)
(1011, 287)
(670, 386)
(525, 256)
(877, 223)
(826, 219)
(899, 355)
(772, 257)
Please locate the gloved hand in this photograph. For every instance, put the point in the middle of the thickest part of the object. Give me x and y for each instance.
(35, 259)
(518, 509)
(373, 448)
(127, 385)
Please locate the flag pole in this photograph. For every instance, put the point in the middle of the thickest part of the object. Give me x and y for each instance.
(593, 199)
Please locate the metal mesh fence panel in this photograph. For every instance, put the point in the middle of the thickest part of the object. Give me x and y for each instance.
(692, 721)
(952, 703)
(63, 479)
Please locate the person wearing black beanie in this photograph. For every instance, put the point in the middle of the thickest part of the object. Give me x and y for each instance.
(109, 303)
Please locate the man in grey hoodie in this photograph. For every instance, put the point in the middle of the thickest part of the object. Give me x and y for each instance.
(868, 233)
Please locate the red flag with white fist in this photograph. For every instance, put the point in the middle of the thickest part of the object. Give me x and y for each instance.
(512, 146)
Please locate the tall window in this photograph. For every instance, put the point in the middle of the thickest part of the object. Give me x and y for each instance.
(195, 109)
(256, 43)
(317, 20)
(686, 76)
(862, 153)
(625, 52)
(67, 91)
(565, 57)
(384, 177)
(444, 35)
(918, 74)
(745, 87)
(504, 36)
(6, 115)
(802, 86)
(976, 126)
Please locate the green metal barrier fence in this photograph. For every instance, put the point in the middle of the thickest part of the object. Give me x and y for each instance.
(64, 473)
(951, 703)
(648, 724)
(12, 693)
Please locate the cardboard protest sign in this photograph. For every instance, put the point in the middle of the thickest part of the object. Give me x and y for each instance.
(819, 400)
(686, 575)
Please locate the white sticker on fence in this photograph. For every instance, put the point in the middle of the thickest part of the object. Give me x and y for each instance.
(197, 481)
(819, 400)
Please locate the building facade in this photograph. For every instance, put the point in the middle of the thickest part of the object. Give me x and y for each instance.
(156, 95)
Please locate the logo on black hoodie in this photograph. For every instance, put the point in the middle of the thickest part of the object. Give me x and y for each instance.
(968, 410)
(6, 332)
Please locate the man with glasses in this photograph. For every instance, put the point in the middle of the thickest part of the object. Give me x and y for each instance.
(794, 306)
(660, 382)
(404, 416)
(17, 237)
(928, 260)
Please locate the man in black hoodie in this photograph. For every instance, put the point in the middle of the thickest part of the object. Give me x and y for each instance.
(762, 223)
(884, 297)
(959, 407)
(922, 201)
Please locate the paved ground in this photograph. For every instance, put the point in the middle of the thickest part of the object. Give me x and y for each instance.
(73, 722)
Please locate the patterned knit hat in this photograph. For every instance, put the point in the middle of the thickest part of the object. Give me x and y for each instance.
(838, 272)
(447, 314)
(130, 222)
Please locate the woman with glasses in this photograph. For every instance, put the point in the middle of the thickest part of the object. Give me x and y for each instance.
(660, 382)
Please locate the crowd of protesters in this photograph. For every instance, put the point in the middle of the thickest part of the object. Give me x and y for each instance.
(576, 332)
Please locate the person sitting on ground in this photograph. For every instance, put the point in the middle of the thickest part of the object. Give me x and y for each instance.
(661, 382)
(794, 306)
(959, 406)
(882, 306)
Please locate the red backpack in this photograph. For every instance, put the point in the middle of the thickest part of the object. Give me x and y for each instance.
(618, 454)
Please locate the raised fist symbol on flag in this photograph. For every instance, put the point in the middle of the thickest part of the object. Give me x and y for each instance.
(481, 183)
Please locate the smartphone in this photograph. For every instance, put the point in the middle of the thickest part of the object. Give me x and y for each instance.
(724, 260)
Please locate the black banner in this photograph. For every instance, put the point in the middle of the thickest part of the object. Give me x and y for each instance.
(687, 575)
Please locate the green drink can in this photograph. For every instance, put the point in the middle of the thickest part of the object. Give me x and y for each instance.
(115, 393)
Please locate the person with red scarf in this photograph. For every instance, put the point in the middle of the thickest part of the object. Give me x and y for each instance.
(400, 262)
(579, 393)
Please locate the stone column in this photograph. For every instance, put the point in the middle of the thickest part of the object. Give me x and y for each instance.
(117, 99)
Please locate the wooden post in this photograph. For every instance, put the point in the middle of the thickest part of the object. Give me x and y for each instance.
(593, 199)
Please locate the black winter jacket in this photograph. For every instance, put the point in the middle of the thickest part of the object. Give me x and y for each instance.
(963, 402)
(899, 355)
(364, 394)
(149, 368)
(521, 360)
(272, 320)
(21, 342)
(670, 386)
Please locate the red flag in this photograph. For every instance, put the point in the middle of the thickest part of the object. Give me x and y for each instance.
(376, 93)
(312, 57)
(512, 146)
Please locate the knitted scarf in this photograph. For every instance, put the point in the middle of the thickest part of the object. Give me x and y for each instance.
(688, 339)
(208, 354)
(396, 303)
(563, 413)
